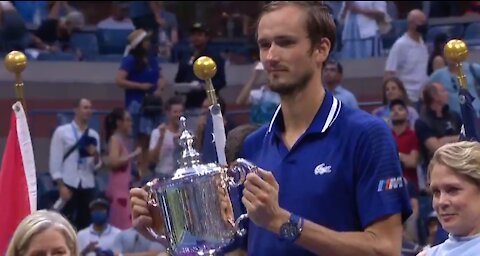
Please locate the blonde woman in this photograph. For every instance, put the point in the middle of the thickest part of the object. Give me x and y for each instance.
(44, 233)
(454, 174)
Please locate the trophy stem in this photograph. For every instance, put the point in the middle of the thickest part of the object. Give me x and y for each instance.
(19, 90)
(461, 77)
(212, 97)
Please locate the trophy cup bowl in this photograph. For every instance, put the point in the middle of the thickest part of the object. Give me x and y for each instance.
(195, 205)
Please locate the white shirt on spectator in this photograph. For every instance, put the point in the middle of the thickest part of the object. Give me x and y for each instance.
(106, 239)
(110, 23)
(166, 159)
(367, 26)
(72, 171)
(130, 241)
(409, 60)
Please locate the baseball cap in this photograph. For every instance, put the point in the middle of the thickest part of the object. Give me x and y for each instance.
(99, 202)
(198, 27)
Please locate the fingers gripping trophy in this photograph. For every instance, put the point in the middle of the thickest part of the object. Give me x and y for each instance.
(192, 213)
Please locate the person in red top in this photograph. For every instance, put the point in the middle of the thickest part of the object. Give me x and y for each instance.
(406, 139)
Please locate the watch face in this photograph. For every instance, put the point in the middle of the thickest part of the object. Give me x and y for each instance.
(289, 231)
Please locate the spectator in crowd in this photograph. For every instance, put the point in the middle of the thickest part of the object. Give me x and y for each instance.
(54, 33)
(118, 124)
(13, 29)
(454, 175)
(408, 57)
(333, 76)
(437, 125)
(118, 18)
(473, 8)
(407, 143)
(163, 149)
(145, 16)
(436, 59)
(141, 77)
(199, 37)
(262, 101)
(130, 242)
(392, 89)
(43, 233)
(32, 12)
(361, 37)
(168, 31)
(99, 237)
(447, 76)
(74, 158)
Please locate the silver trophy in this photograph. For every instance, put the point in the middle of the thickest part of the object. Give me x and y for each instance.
(195, 205)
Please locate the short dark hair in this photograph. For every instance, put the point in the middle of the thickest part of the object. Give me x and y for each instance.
(319, 19)
(396, 102)
(174, 100)
(428, 93)
(235, 139)
(337, 64)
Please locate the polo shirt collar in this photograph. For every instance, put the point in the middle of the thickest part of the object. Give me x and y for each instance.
(324, 119)
(105, 232)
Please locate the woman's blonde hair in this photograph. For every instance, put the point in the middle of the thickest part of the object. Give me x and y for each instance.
(36, 223)
(462, 157)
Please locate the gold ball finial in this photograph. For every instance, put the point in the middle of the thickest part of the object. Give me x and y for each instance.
(456, 51)
(15, 62)
(204, 68)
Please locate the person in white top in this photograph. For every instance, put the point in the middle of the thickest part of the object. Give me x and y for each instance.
(361, 36)
(164, 140)
(408, 57)
(118, 18)
(454, 174)
(99, 237)
(74, 158)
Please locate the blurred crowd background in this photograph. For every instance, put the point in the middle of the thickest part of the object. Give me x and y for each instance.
(124, 70)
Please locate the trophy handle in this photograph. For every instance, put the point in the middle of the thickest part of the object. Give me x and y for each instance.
(153, 202)
(241, 231)
(237, 173)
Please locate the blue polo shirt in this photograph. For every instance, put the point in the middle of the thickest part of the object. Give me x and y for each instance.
(343, 173)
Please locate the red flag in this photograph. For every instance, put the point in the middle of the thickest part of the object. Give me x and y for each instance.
(18, 183)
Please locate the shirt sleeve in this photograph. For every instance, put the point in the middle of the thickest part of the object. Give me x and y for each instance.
(392, 60)
(127, 64)
(154, 139)
(423, 131)
(56, 155)
(117, 246)
(380, 187)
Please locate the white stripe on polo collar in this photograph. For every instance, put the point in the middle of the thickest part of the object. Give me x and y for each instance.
(134, 43)
(332, 115)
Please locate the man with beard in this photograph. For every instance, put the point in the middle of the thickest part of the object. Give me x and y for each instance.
(406, 139)
(329, 180)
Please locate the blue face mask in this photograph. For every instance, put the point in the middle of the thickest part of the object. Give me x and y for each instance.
(99, 217)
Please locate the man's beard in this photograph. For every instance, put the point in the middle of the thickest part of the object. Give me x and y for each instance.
(285, 89)
(399, 122)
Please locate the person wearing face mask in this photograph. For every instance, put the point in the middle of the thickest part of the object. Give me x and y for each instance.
(99, 237)
(408, 57)
(454, 174)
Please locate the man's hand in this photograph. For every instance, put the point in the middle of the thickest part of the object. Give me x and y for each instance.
(65, 193)
(92, 150)
(91, 247)
(143, 215)
(260, 198)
